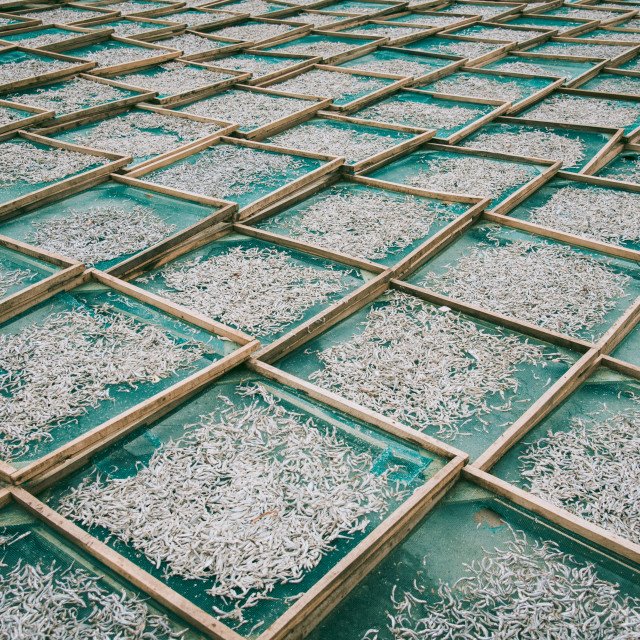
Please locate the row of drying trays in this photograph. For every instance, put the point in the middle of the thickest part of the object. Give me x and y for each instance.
(250, 111)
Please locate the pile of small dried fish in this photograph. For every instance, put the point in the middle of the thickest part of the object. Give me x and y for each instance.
(23, 162)
(171, 78)
(249, 109)
(11, 278)
(145, 133)
(368, 224)
(332, 84)
(253, 32)
(250, 497)
(589, 14)
(128, 7)
(324, 137)
(591, 470)
(10, 72)
(619, 36)
(524, 67)
(119, 53)
(190, 43)
(323, 48)
(423, 366)
(227, 170)
(62, 15)
(550, 285)
(72, 95)
(580, 110)
(260, 291)
(399, 67)
(588, 50)
(100, 233)
(486, 11)
(194, 18)
(46, 602)
(52, 372)
(46, 38)
(473, 175)
(466, 49)
(8, 115)
(392, 31)
(128, 28)
(429, 20)
(481, 86)
(603, 214)
(419, 114)
(317, 19)
(253, 64)
(253, 7)
(522, 591)
(617, 84)
(508, 35)
(541, 143)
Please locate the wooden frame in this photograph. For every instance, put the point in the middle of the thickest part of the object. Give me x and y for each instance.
(464, 20)
(612, 152)
(85, 37)
(627, 137)
(297, 29)
(164, 55)
(511, 8)
(165, 27)
(420, 31)
(221, 21)
(386, 6)
(570, 32)
(500, 108)
(101, 108)
(40, 9)
(613, 31)
(38, 116)
(527, 56)
(293, 13)
(21, 23)
(124, 422)
(368, 45)
(265, 130)
(226, 128)
(61, 74)
(170, 5)
(534, 40)
(517, 196)
(622, 14)
(331, 164)
(627, 49)
(356, 103)
(9, 208)
(190, 94)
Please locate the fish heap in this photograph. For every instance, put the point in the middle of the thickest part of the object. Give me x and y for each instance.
(260, 291)
(12, 278)
(98, 348)
(324, 137)
(510, 35)
(250, 497)
(465, 49)
(112, 56)
(524, 67)
(392, 31)
(253, 65)
(72, 95)
(46, 38)
(457, 368)
(590, 50)
(573, 291)
(621, 84)
(578, 110)
(323, 48)
(331, 84)
(191, 43)
(226, 170)
(62, 15)
(133, 7)
(253, 32)
(419, 114)
(534, 144)
(100, 233)
(589, 470)
(525, 590)
(8, 115)
(480, 86)
(475, 175)
(399, 67)
(31, 67)
(24, 162)
(143, 132)
(601, 214)
(373, 225)
(249, 109)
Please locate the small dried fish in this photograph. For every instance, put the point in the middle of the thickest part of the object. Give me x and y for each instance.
(112, 53)
(12, 71)
(250, 497)
(550, 285)
(508, 35)
(521, 591)
(62, 15)
(399, 67)
(580, 50)
(480, 86)
(617, 84)
(227, 170)
(381, 31)
(599, 213)
(474, 175)
(260, 291)
(11, 278)
(47, 38)
(466, 49)
(100, 233)
(145, 133)
(322, 48)
(525, 67)
(53, 371)
(171, 78)
(253, 32)
(253, 64)
(39, 602)
(324, 137)
(190, 43)
(422, 366)
(591, 470)
(128, 7)
(331, 84)
(542, 143)
(419, 114)
(620, 36)
(581, 110)
(24, 162)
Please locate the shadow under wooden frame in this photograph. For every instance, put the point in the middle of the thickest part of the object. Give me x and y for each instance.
(137, 412)
(114, 163)
(323, 165)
